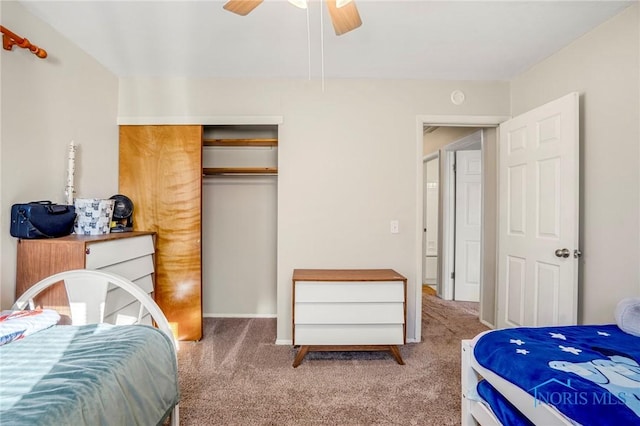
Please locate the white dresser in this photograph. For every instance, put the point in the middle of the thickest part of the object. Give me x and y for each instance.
(348, 309)
(129, 254)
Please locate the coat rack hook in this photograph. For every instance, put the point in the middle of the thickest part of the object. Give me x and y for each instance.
(9, 39)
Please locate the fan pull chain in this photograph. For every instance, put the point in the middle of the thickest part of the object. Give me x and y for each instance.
(308, 44)
(322, 47)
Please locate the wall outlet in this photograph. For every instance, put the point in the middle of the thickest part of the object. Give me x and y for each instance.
(395, 227)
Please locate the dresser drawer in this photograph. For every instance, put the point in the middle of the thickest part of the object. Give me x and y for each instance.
(106, 253)
(118, 301)
(129, 316)
(349, 313)
(346, 334)
(349, 291)
(133, 269)
(118, 311)
(145, 283)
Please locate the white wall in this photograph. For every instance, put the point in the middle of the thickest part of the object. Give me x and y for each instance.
(604, 67)
(3, 214)
(348, 161)
(46, 103)
(239, 246)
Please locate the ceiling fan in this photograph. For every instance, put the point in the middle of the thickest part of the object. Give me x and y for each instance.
(344, 14)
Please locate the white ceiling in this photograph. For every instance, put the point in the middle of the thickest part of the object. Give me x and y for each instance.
(453, 40)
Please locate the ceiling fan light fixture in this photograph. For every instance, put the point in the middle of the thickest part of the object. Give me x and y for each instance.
(344, 13)
(302, 4)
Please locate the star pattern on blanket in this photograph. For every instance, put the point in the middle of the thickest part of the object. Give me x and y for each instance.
(573, 350)
(554, 335)
(558, 336)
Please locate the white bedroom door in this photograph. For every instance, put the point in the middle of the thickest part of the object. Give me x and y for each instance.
(538, 216)
(468, 225)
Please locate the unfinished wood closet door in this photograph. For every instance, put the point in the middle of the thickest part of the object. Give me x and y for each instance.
(161, 171)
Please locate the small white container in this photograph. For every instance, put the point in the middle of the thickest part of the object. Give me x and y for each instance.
(93, 216)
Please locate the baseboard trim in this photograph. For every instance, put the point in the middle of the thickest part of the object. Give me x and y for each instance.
(487, 323)
(284, 342)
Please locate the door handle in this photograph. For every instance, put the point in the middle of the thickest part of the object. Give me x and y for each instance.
(562, 253)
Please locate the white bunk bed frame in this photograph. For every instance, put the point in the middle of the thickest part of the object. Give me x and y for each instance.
(90, 288)
(476, 412)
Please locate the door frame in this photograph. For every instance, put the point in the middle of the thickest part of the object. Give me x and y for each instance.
(437, 120)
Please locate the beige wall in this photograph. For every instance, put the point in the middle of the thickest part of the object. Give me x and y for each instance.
(239, 246)
(490, 225)
(3, 215)
(603, 66)
(443, 136)
(349, 159)
(46, 104)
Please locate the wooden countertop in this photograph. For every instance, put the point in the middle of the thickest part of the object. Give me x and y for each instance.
(91, 238)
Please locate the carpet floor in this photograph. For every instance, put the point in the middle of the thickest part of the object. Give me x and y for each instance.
(236, 375)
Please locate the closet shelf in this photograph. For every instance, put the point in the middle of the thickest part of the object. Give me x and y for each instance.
(210, 171)
(241, 142)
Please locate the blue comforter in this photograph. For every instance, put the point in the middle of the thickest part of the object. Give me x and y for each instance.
(589, 373)
(88, 375)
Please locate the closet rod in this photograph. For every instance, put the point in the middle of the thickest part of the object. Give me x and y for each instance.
(9, 39)
(246, 171)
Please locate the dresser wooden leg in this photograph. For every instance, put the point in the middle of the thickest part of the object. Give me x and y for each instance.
(396, 354)
(302, 352)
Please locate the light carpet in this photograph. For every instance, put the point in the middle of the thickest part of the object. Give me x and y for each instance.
(236, 375)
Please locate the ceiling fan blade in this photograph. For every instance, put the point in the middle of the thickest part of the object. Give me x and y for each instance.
(241, 7)
(345, 18)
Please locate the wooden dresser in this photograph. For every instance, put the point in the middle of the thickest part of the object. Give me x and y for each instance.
(129, 254)
(349, 309)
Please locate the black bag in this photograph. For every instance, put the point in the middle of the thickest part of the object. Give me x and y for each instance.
(42, 219)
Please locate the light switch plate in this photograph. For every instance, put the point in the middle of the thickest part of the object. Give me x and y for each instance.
(395, 227)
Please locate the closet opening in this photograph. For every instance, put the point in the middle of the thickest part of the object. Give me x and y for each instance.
(239, 221)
